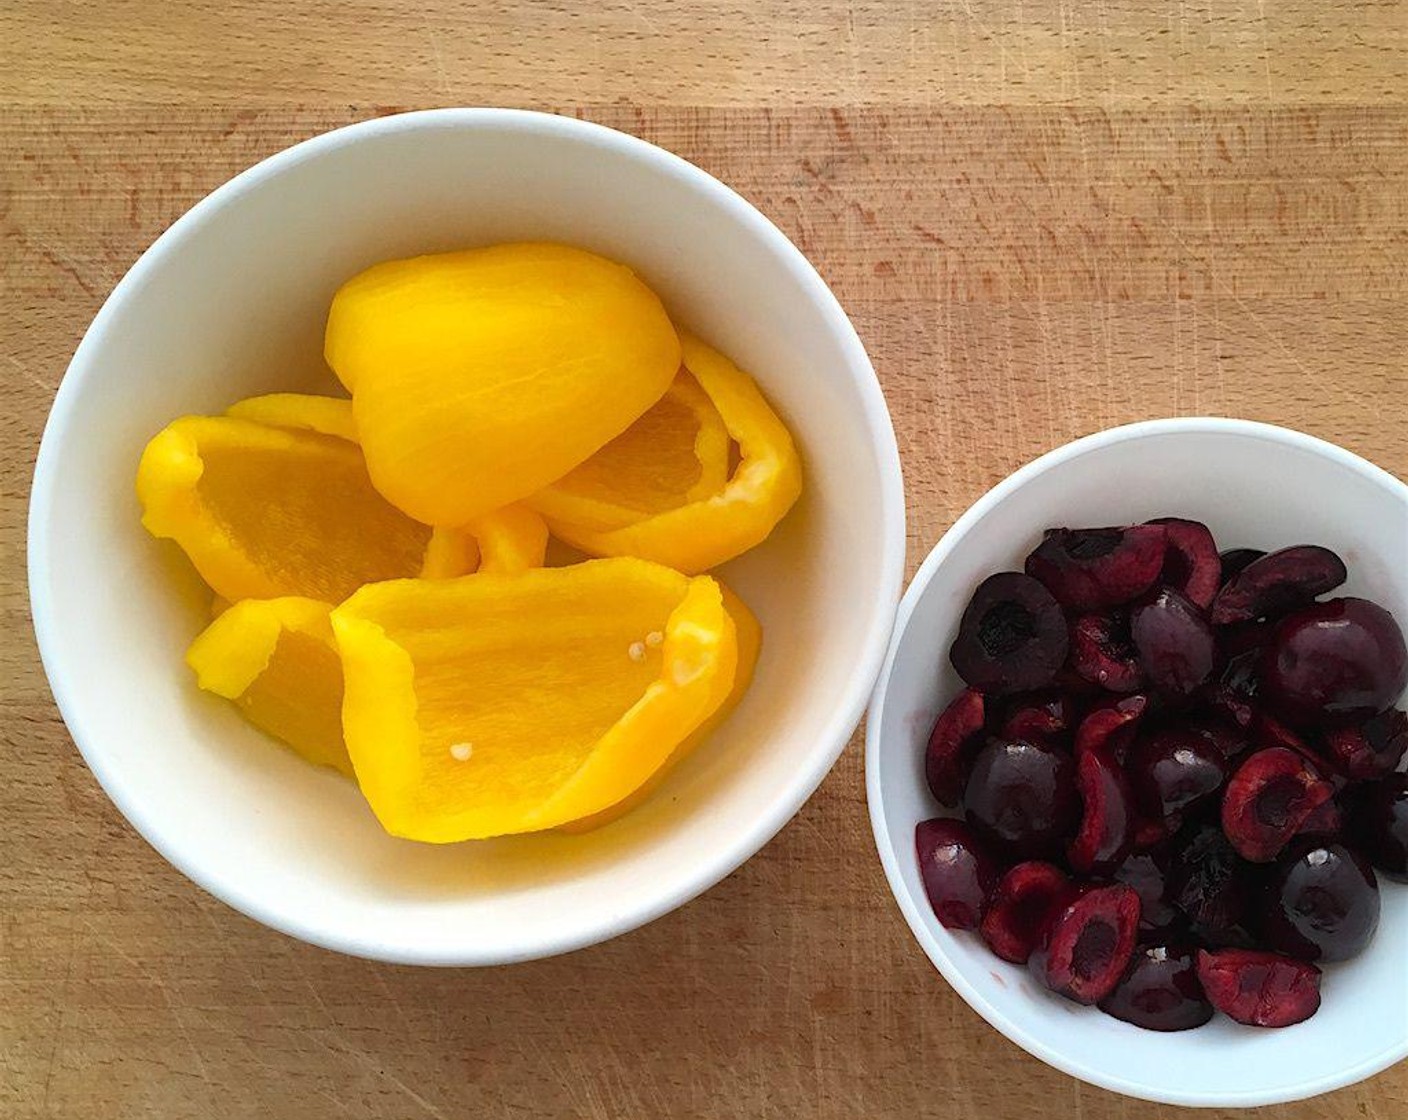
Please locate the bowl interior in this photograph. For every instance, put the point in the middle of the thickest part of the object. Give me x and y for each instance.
(1252, 486)
(231, 302)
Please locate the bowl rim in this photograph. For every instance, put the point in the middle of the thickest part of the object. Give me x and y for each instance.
(659, 899)
(889, 858)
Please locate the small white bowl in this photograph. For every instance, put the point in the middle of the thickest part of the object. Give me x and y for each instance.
(1253, 485)
(231, 301)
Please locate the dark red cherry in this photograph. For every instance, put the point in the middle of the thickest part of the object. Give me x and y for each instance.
(1370, 749)
(1112, 723)
(1022, 796)
(1093, 569)
(1212, 886)
(1344, 659)
(1224, 737)
(1147, 873)
(1326, 822)
(1161, 991)
(1191, 564)
(1021, 909)
(958, 871)
(956, 738)
(1378, 822)
(1278, 583)
(1089, 945)
(1235, 561)
(1107, 819)
(1175, 770)
(1175, 643)
(1268, 801)
(1103, 654)
(1232, 691)
(1012, 637)
(1260, 989)
(1322, 902)
(1038, 715)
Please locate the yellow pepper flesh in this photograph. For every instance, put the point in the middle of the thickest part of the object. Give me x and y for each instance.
(706, 533)
(265, 512)
(332, 416)
(276, 659)
(750, 641)
(496, 704)
(479, 377)
(675, 454)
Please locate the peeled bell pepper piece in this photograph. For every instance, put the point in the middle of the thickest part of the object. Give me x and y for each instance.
(750, 641)
(511, 539)
(675, 454)
(332, 416)
(507, 540)
(276, 659)
(479, 377)
(497, 704)
(764, 486)
(265, 512)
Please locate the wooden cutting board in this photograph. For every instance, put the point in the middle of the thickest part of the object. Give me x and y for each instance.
(1045, 219)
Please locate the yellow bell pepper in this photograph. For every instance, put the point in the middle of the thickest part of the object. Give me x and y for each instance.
(332, 416)
(705, 533)
(675, 454)
(511, 539)
(276, 659)
(479, 377)
(449, 552)
(265, 512)
(750, 640)
(497, 704)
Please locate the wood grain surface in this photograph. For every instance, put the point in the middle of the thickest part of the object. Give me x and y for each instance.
(1044, 217)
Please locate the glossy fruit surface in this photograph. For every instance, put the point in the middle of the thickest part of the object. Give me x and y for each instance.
(956, 737)
(1175, 643)
(1106, 830)
(1321, 902)
(1371, 749)
(1260, 989)
(958, 872)
(1235, 561)
(1022, 796)
(1192, 566)
(1147, 873)
(1091, 569)
(1213, 886)
(1012, 637)
(1090, 944)
(1268, 800)
(1022, 907)
(1175, 770)
(1279, 582)
(1161, 991)
(1103, 653)
(1344, 658)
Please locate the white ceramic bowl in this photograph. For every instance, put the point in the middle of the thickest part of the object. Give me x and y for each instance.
(231, 301)
(1253, 485)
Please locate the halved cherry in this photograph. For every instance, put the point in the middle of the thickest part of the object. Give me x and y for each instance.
(1260, 989)
(956, 737)
(1268, 801)
(1022, 907)
(1191, 564)
(1012, 637)
(1089, 945)
(1107, 821)
(1278, 583)
(1103, 653)
(1091, 569)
